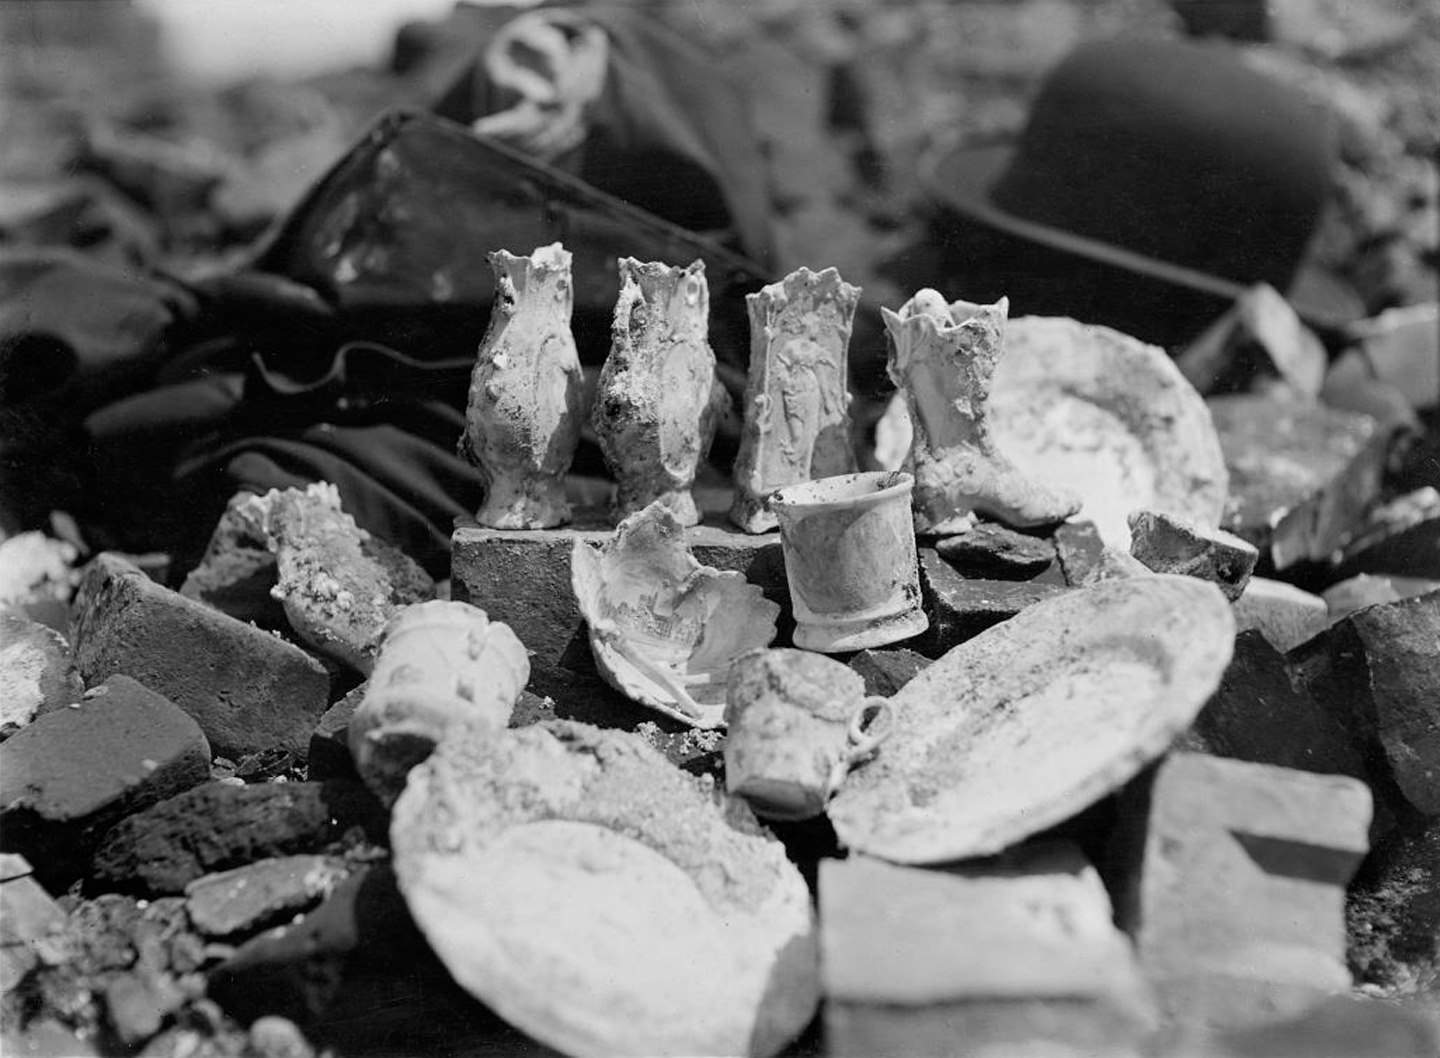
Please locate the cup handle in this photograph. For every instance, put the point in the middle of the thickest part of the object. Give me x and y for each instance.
(871, 725)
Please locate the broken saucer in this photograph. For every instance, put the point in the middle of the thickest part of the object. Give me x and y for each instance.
(1102, 414)
(1037, 718)
(602, 900)
(664, 628)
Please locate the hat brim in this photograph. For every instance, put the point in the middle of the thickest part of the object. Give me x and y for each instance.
(961, 178)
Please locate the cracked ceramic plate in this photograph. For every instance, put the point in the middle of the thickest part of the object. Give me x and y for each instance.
(602, 900)
(664, 628)
(1037, 718)
(1105, 415)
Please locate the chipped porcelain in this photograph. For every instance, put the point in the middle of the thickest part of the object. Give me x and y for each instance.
(602, 900)
(441, 664)
(1037, 718)
(664, 628)
(944, 358)
(658, 400)
(797, 397)
(797, 723)
(1093, 410)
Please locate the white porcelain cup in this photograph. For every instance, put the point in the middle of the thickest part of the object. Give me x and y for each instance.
(798, 722)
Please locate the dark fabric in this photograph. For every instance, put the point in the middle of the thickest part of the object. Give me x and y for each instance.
(340, 348)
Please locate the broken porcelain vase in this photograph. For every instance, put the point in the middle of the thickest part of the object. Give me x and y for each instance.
(943, 358)
(441, 664)
(849, 547)
(523, 418)
(658, 401)
(664, 628)
(797, 399)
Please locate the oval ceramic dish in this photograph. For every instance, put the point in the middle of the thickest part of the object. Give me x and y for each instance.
(603, 901)
(1104, 415)
(1037, 718)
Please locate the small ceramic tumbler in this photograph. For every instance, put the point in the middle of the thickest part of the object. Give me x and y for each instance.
(849, 546)
(797, 723)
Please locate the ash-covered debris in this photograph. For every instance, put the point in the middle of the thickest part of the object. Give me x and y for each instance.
(1127, 811)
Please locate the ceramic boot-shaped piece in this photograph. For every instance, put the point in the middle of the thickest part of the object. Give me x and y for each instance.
(658, 402)
(523, 419)
(797, 398)
(943, 357)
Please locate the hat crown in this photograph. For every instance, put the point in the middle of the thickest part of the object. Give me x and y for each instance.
(1176, 151)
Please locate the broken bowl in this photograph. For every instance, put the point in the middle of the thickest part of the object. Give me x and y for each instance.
(663, 627)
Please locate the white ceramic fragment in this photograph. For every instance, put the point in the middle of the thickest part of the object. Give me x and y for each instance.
(664, 628)
(658, 401)
(1036, 718)
(944, 358)
(338, 584)
(602, 900)
(1100, 413)
(797, 397)
(522, 421)
(441, 664)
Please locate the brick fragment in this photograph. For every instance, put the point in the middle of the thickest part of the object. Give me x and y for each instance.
(1402, 538)
(27, 915)
(1337, 1027)
(1237, 896)
(960, 609)
(356, 970)
(1393, 911)
(219, 826)
(246, 899)
(886, 670)
(1258, 715)
(1381, 667)
(1282, 613)
(901, 973)
(1302, 476)
(72, 774)
(330, 741)
(1169, 544)
(1363, 589)
(248, 689)
(996, 552)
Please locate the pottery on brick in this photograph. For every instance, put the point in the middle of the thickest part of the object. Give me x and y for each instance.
(797, 419)
(943, 358)
(522, 421)
(658, 401)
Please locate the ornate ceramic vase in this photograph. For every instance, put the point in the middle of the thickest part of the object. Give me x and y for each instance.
(658, 401)
(522, 422)
(797, 398)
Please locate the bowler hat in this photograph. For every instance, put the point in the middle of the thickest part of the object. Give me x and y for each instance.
(1166, 158)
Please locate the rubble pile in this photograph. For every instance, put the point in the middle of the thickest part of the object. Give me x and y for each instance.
(1097, 714)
